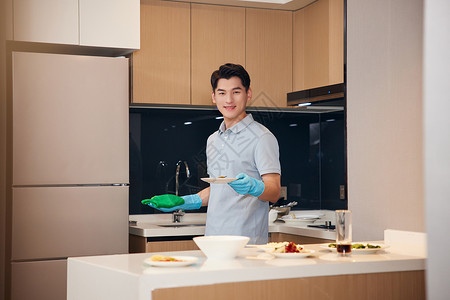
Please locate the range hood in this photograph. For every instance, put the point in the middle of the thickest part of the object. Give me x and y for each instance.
(326, 96)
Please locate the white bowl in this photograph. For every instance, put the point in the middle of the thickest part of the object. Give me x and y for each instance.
(221, 247)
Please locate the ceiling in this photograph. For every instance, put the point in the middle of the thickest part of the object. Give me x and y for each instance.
(292, 5)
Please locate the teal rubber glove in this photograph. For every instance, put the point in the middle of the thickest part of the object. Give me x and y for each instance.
(190, 202)
(247, 185)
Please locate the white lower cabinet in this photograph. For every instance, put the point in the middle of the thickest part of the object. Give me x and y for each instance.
(39, 280)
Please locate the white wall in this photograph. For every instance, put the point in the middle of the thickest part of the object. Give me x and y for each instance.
(384, 120)
(437, 145)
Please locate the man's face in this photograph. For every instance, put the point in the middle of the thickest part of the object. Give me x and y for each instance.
(231, 99)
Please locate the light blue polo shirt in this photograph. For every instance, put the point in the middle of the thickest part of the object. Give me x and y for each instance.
(247, 147)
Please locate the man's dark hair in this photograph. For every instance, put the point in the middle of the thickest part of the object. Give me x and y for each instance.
(227, 71)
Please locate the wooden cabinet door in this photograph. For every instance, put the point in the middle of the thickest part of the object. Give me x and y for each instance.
(318, 45)
(109, 23)
(46, 21)
(161, 68)
(269, 55)
(298, 239)
(218, 37)
(140, 244)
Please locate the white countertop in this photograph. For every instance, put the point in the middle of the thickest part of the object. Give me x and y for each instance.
(148, 226)
(128, 277)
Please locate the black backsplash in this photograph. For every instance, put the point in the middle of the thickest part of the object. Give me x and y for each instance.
(312, 153)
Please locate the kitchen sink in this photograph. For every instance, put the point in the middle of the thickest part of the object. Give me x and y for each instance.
(180, 225)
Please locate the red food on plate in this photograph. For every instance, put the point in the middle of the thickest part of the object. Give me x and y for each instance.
(292, 248)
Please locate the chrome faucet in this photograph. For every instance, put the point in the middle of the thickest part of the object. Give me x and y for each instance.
(177, 174)
(177, 214)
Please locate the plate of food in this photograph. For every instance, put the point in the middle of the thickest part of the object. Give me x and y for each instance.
(359, 247)
(286, 250)
(170, 261)
(221, 179)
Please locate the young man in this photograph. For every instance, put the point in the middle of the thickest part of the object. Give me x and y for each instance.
(241, 148)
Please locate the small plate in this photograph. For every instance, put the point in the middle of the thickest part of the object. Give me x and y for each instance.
(294, 255)
(360, 251)
(298, 221)
(305, 217)
(218, 179)
(186, 261)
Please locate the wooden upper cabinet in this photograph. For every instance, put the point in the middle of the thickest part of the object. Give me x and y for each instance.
(218, 37)
(318, 45)
(161, 68)
(336, 37)
(269, 55)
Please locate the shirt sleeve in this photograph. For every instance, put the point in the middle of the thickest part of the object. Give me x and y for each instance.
(267, 155)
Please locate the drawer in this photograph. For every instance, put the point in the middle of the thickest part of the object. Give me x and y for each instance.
(58, 222)
(39, 280)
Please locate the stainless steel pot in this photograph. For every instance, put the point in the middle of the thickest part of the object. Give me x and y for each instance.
(284, 209)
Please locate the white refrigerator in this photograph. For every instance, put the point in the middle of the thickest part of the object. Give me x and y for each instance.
(69, 166)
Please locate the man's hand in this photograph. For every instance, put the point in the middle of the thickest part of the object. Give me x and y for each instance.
(190, 202)
(247, 185)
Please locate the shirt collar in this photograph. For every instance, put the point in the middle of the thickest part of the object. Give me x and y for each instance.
(242, 124)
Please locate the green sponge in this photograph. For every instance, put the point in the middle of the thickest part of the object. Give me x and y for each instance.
(166, 201)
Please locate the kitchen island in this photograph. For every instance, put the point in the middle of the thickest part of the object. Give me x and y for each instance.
(394, 273)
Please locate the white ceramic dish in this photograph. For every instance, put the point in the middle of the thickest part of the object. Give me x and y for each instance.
(185, 261)
(294, 255)
(359, 251)
(221, 247)
(300, 216)
(309, 216)
(298, 221)
(218, 179)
